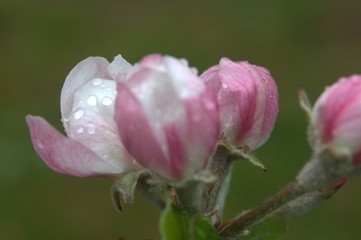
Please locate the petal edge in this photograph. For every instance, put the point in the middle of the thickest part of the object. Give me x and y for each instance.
(65, 155)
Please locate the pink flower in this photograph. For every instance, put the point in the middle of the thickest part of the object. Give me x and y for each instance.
(248, 101)
(337, 116)
(167, 118)
(87, 108)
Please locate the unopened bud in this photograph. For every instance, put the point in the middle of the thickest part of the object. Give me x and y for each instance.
(248, 101)
(337, 117)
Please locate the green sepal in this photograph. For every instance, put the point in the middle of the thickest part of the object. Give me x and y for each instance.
(123, 188)
(305, 103)
(240, 154)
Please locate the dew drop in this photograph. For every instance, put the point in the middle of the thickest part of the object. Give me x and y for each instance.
(91, 128)
(224, 85)
(79, 113)
(106, 101)
(80, 129)
(64, 120)
(92, 100)
(97, 82)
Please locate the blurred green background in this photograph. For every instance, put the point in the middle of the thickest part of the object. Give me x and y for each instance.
(303, 43)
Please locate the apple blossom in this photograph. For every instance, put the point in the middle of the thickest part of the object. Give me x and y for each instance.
(337, 116)
(248, 101)
(87, 108)
(167, 118)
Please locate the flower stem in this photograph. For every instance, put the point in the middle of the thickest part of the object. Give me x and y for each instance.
(319, 179)
(214, 193)
(237, 225)
(189, 196)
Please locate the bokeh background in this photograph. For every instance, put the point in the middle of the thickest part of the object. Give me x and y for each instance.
(303, 43)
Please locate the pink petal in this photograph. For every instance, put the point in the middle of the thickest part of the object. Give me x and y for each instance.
(210, 77)
(177, 152)
(238, 98)
(65, 155)
(136, 133)
(203, 129)
(85, 71)
(333, 105)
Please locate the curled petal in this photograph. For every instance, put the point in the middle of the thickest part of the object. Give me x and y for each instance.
(65, 155)
(119, 68)
(83, 72)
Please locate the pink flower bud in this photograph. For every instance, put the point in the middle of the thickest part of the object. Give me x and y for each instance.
(87, 107)
(248, 101)
(337, 116)
(167, 118)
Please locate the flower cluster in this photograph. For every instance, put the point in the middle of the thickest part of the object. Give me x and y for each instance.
(158, 115)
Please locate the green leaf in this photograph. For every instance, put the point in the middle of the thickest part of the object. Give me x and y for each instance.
(203, 230)
(271, 230)
(177, 224)
(174, 224)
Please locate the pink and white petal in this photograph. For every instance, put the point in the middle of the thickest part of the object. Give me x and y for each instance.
(85, 71)
(204, 129)
(185, 81)
(177, 151)
(65, 155)
(211, 78)
(329, 109)
(136, 133)
(266, 108)
(238, 102)
(151, 60)
(119, 68)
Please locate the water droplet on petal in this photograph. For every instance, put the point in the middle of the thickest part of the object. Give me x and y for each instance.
(79, 113)
(80, 129)
(64, 120)
(106, 101)
(91, 128)
(224, 85)
(92, 100)
(97, 82)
